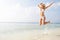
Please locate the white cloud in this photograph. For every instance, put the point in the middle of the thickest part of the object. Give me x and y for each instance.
(28, 14)
(7, 12)
(15, 12)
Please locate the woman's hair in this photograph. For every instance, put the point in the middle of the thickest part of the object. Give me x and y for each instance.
(43, 5)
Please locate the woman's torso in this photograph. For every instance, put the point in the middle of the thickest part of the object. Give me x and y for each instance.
(42, 9)
(42, 12)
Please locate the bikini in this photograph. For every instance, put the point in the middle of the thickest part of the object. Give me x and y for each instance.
(42, 17)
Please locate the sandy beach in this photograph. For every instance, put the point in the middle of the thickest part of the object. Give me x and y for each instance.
(51, 34)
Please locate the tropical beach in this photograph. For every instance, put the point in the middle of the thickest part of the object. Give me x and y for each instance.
(18, 31)
(29, 19)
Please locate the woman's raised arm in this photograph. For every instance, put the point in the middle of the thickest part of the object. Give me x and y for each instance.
(38, 5)
(49, 5)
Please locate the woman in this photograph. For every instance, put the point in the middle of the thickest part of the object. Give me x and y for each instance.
(43, 7)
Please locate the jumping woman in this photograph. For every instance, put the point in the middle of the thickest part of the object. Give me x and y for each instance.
(43, 7)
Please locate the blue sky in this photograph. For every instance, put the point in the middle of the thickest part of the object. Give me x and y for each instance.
(27, 11)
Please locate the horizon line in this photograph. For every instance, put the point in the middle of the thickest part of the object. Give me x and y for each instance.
(29, 22)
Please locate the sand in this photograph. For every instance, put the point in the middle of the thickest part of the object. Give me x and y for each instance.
(51, 34)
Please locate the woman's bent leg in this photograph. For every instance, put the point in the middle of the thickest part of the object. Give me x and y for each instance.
(47, 22)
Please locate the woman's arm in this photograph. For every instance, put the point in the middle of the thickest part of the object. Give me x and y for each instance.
(49, 4)
(38, 5)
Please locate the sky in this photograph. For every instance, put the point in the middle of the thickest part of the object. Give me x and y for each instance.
(28, 11)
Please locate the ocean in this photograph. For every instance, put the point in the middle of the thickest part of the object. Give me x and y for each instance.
(22, 26)
(28, 31)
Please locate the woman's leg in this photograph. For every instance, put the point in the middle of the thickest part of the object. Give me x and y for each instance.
(40, 21)
(46, 22)
(43, 20)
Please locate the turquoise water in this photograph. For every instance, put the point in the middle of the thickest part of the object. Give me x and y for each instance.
(11, 27)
